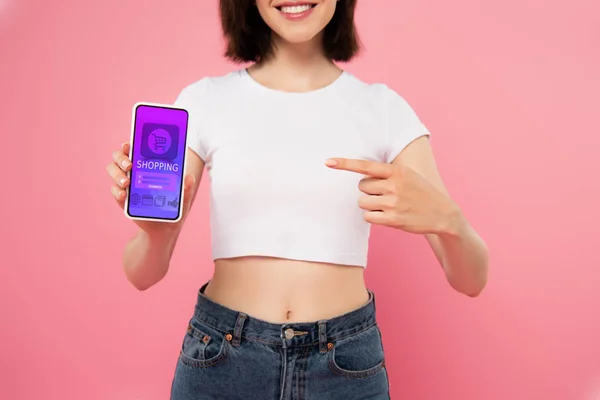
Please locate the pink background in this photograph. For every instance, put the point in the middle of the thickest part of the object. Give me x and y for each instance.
(510, 91)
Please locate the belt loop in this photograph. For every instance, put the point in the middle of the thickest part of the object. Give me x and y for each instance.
(322, 337)
(237, 331)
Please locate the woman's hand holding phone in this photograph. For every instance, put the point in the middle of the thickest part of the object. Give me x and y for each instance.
(118, 170)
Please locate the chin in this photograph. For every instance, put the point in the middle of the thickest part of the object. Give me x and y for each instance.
(298, 37)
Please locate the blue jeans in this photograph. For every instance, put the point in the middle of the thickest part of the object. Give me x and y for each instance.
(229, 355)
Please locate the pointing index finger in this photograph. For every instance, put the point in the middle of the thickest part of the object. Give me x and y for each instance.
(365, 167)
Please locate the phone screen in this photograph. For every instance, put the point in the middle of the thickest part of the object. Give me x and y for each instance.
(158, 148)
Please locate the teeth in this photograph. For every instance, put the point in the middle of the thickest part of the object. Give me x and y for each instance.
(295, 9)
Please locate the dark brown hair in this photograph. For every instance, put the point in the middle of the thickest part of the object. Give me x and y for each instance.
(249, 37)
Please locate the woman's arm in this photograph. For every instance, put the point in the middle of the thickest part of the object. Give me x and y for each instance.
(147, 256)
(461, 252)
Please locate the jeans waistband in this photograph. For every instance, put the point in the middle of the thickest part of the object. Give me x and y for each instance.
(245, 327)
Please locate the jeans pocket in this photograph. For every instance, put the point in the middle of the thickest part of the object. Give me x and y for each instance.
(358, 356)
(203, 346)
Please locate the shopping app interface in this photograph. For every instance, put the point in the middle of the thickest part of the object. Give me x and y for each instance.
(159, 144)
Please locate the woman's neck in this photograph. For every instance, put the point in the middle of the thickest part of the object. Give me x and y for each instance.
(296, 67)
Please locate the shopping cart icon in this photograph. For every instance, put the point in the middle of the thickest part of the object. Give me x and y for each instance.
(159, 141)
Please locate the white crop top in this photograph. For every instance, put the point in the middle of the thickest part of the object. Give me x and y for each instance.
(270, 192)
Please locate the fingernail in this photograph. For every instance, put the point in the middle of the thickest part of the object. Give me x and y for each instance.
(330, 163)
(122, 181)
(126, 163)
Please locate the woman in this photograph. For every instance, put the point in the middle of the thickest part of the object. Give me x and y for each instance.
(303, 158)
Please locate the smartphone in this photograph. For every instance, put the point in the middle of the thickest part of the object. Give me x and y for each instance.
(157, 151)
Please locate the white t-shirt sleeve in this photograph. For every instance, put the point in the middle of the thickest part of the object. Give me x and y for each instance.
(403, 125)
(190, 99)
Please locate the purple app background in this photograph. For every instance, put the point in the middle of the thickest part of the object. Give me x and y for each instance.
(159, 144)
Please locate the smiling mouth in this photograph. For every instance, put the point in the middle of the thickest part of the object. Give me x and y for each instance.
(296, 8)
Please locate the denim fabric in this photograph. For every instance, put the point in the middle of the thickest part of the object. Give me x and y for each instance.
(229, 355)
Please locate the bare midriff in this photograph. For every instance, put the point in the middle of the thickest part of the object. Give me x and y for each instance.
(285, 291)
